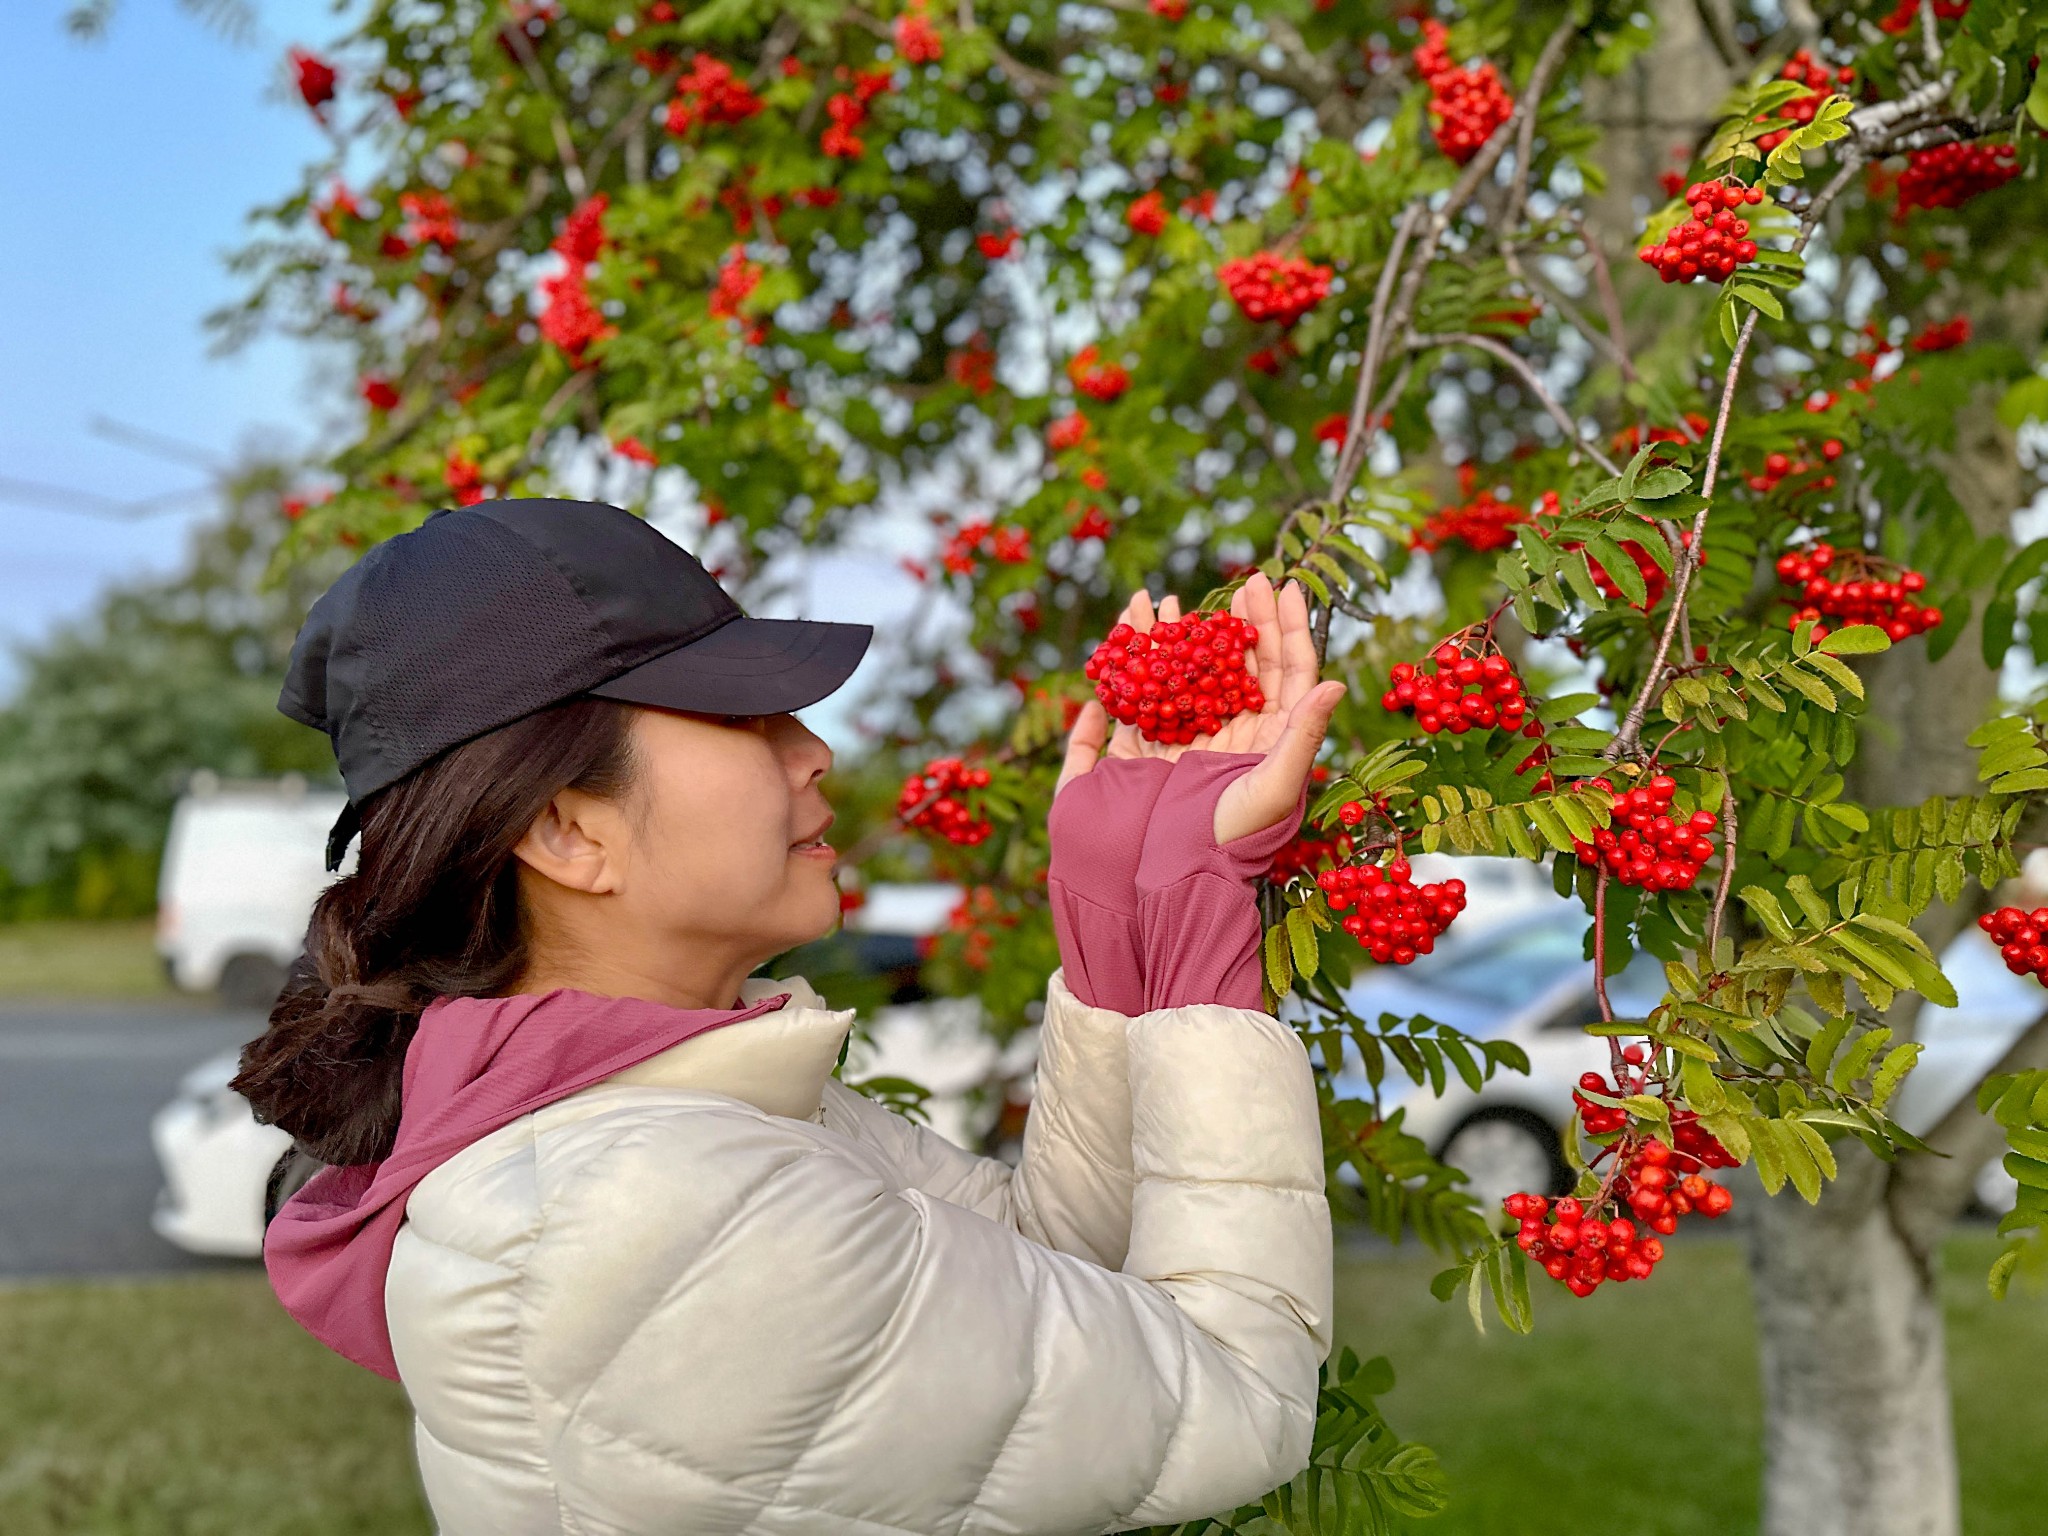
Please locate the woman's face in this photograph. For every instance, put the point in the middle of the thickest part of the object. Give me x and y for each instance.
(727, 841)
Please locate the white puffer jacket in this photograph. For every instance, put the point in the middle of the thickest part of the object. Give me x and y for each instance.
(721, 1292)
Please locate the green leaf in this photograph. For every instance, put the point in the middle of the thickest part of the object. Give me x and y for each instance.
(1892, 1072)
(1855, 640)
(1820, 1050)
(1858, 1058)
(1301, 939)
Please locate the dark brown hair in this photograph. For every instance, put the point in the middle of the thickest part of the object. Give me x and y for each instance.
(431, 910)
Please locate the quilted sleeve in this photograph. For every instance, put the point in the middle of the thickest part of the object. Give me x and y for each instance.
(748, 1328)
(1071, 1188)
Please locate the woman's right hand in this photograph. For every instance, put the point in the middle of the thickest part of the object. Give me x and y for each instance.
(1285, 734)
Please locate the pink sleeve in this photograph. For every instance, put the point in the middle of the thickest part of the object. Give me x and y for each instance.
(1198, 914)
(1097, 831)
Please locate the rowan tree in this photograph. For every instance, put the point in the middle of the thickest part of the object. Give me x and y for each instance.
(1633, 391)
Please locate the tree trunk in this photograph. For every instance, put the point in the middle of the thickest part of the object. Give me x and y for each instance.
(1857, 1437)
(1857, 1433)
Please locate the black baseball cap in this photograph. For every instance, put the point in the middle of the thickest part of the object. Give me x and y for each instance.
(484, 614)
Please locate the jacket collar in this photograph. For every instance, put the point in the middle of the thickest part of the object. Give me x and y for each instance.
(777, 1061)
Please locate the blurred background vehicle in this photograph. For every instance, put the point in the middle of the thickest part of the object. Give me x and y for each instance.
(225, 1175)
(243, 863)
(1526, 979)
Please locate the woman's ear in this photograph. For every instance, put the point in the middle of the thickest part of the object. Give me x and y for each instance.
(577, 841)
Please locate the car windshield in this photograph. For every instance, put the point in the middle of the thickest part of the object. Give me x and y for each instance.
(1508, 968)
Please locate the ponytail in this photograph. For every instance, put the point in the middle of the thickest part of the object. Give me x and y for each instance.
(432, 910)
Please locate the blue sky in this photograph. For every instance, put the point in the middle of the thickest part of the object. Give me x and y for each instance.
(128, 166)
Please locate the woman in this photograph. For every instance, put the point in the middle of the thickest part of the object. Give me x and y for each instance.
(641, 1262)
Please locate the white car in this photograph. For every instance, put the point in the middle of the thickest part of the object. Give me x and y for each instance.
(1527, 981)
(243, 862)
(218, 1161)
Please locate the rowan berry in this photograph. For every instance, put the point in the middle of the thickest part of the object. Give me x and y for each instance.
(1457, 690)
(1851, 587)
(2022, 939)
(1466, 103)
(1645, 845)
(1949, 175)
(1269, 286)
(1713, 242)
(1391, 917)
(1181, 679)
(937, 798)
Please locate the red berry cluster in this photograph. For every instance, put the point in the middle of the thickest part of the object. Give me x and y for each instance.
(1395, 920)
(1944, 337)
(1949, 175)
(1713, 242)
(1178, 680)
(980, 539)
(1097, 379)
(2022, 939)
(1819, 80)
(1453, 691)
(1465, 105)
(1906, 14)
(1483, 523)
(973, 915)
(709, 92)
(1851, 587)
(1645, 845)
(1309, 849)
(1574, 1245)
(1696, 428)
(1780, 467)
(950, 815)
(1269, 286)
(916, 38)
(315, 78)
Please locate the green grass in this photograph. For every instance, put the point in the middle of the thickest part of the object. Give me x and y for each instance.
(81, 960)
(1638, 1411)
(192, 1406)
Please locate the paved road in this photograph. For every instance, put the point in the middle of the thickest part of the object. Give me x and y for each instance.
(78, 1084)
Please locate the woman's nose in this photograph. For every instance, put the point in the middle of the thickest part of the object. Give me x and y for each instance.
(803, 748)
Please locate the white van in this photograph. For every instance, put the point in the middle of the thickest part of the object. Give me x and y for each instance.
(243, 863)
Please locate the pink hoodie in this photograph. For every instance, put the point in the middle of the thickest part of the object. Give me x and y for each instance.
(475, 1064)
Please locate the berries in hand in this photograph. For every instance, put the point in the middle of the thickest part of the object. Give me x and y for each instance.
(1713, 242)
(1645, 845)
(1395, 920)
(950, 815)
(1851, 587)
(1181, 679)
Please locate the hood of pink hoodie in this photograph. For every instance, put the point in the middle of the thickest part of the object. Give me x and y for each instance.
(475, 1064)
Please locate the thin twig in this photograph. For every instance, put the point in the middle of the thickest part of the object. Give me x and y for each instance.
(1520, 365)
(1727, 867)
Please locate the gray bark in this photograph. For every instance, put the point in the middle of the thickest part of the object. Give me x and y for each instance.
(1857, 1433)
(1857, 1438)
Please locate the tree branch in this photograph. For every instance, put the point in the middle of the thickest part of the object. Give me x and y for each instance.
(1528, 375)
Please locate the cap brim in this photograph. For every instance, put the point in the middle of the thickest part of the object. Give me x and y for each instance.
(747, 666)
